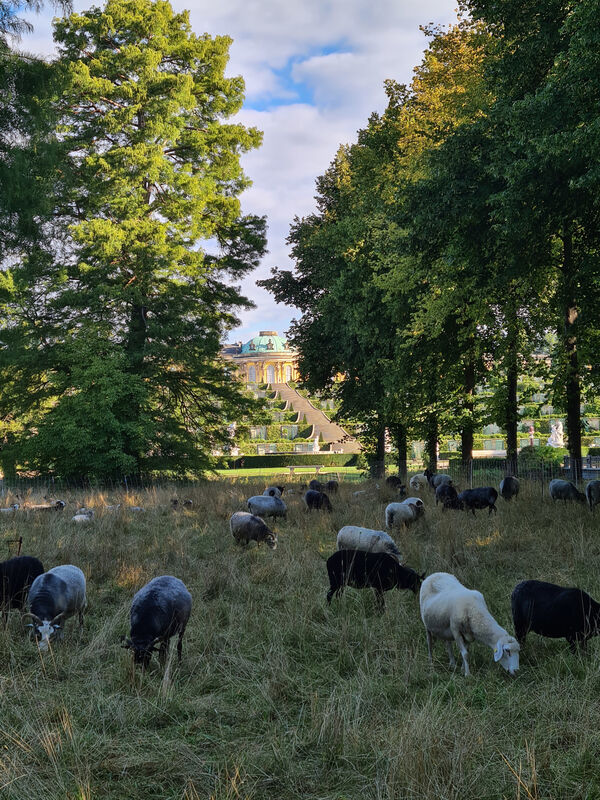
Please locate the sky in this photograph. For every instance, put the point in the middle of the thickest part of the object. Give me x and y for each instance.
(314, 72)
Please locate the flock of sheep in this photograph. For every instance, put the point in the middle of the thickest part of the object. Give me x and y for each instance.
(365, 558)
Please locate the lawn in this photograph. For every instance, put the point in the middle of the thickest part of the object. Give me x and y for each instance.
(280, 696)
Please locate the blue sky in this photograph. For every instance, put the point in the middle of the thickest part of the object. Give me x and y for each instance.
(314, 72)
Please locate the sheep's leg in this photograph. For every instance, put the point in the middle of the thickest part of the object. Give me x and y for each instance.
(81, 618)
(163, 652)
(379, 600)
(179, 646)
(463, 651)
(429, 645)
(450, 652)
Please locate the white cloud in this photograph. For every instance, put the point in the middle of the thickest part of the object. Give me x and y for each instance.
(330, 55)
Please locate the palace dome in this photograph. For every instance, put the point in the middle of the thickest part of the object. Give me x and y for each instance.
(266, 342)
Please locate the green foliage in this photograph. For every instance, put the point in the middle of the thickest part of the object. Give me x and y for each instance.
(545, 454)
(147, 167)
(294, 459)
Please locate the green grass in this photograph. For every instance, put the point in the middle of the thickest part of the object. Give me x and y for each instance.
(279, 696)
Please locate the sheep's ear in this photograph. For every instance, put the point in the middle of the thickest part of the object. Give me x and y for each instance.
(498, 651)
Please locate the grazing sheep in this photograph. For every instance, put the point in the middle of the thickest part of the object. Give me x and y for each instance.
(418, 481)
(396, 482)
(415, 501)
(509, 487)
(317, 500)
(397, 514)
(554, 611)
(450, 611)
(159, 610)
(262, 506)
(378, 571)
(447, 495)
(54, 597)
(83, 516)
(56, 506)
(316, 485)
(592, 492)
(175, 504)
(565, 490)
(10, 509)
(332, 486)
(246, 527)
(16, 576)
(436, 479)
(483, 497)
(273, 491)
(351, 537)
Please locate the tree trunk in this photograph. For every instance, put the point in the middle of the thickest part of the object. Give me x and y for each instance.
(466, 434)
(431, 442)
(401, 441)
(572, 378)
(511, 415)
(378, 463)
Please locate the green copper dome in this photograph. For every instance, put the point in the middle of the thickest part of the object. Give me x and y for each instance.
(266, 342)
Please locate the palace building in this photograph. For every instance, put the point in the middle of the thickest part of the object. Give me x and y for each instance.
(266, 358)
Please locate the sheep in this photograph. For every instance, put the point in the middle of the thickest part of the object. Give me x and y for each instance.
(352, 537)
(435, 480)
(16, 576)
(262, 506)
(418, 481)
(332, 486)
(361, 570)
(53, 597)
(509, 487)
(316, 485)
(246, 527)
(317, 500)
(273, 491)
(554, 611)
(447, 495)
(415, 501)
(58, 505)
(83, 516)
(450, 611)
(10, 509)
(396, 482)
(565, 490)
(397, 514)
(592, 492)
(159, 610)
(483, 497)
(175, 504)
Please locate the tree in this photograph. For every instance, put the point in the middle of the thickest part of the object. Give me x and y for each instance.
(111, 350)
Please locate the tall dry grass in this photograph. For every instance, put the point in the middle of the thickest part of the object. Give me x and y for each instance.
(279, 696)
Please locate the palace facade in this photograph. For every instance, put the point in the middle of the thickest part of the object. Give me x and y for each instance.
(266, 358)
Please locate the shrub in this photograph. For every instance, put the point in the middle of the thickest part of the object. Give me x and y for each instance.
(535, 456)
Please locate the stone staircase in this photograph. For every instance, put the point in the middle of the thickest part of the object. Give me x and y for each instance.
(333, 434)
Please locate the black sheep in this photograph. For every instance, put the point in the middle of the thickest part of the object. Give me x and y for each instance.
(16, 576)
(554, 611)
(317, 500)
(378, 571)
(447, 495)
(396, 482)
(332, 486)
(509, 487)
(483, 497)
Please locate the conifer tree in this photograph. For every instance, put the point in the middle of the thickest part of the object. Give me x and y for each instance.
(110, 348)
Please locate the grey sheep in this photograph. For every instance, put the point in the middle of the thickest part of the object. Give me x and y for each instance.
(592, 492)
(246, 527)
(509, 487)
(264, 506)
(565, 490)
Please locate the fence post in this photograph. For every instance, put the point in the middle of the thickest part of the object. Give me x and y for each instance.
(471, 473)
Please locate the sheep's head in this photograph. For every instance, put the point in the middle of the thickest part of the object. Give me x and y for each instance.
(45, 630)
(271, 540)
(142, 649)
(507, 653)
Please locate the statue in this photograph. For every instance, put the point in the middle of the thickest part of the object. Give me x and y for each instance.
(556, 438)
(316, 446)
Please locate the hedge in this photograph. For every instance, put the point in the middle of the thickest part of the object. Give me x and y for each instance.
(294, 460)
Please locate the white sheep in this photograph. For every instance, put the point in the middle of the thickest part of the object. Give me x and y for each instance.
(265, 506)
(418, 482)
(592, 492)
(415, 501)
(83, 516)
(352, 537)
(273, 491)
(397, 514)
(451, 611)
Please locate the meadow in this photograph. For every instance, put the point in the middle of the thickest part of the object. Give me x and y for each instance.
(279, 696)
